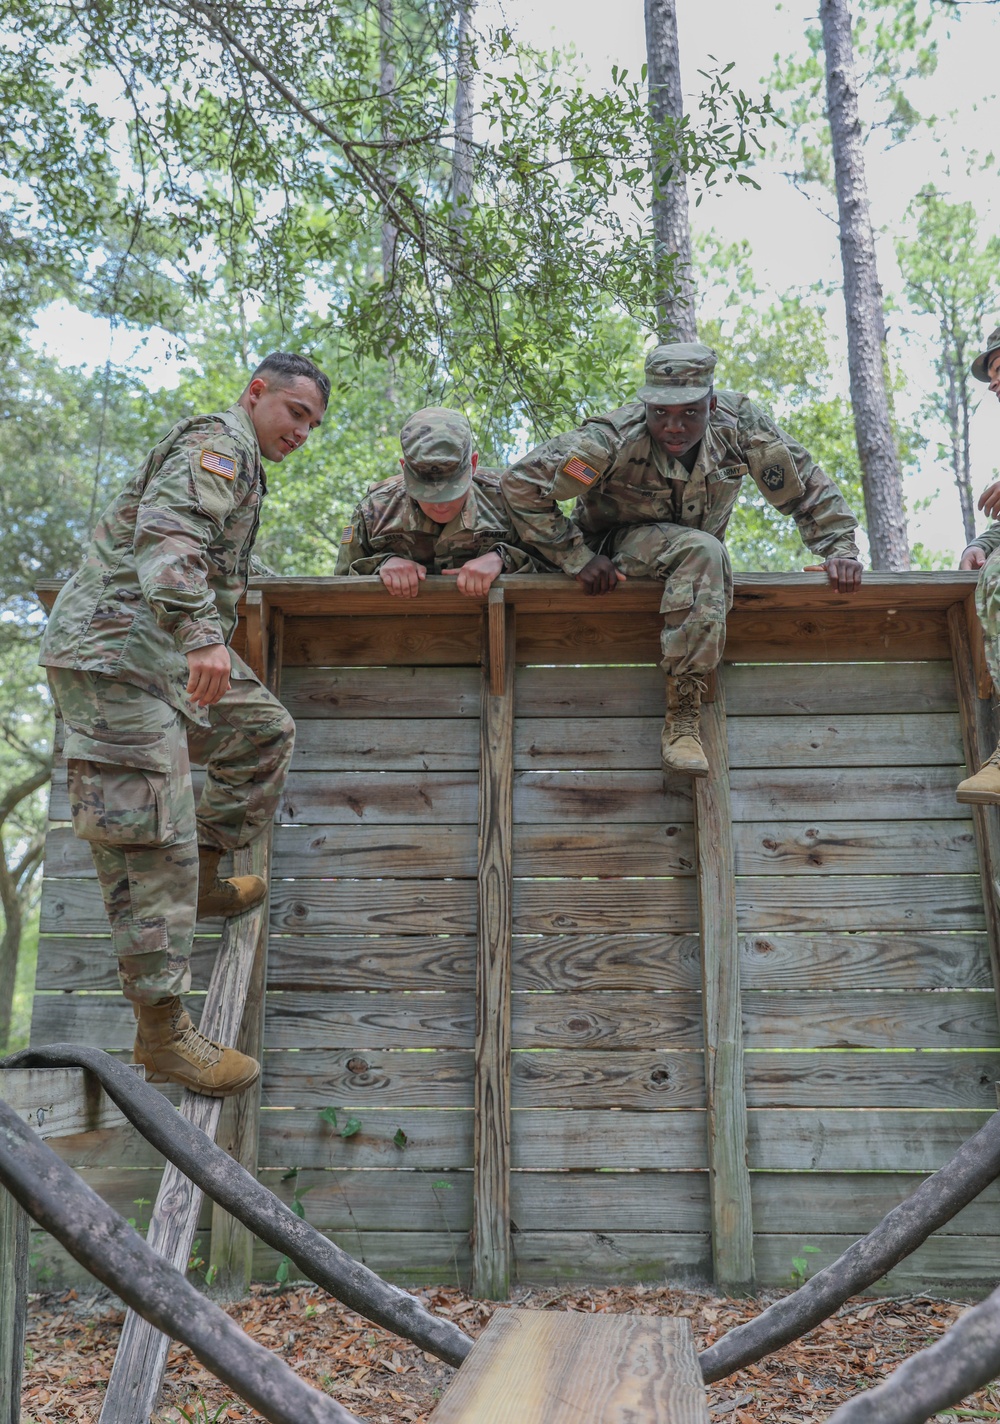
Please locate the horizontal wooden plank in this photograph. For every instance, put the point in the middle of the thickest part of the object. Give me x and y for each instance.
(614, 849)
(541, 906)
(852, 961)
(60, 1102)
(409, 1020)
(853, 1202)
(859, 902)
(599, 961)
(560, 1138)
(409, 692)
(858, 1079)
(389, 640)
(607, 1019)
(861, 1140)
(854, 848)
(769, 690)
(953, 1018)
(428, 744)
(610, 1201)
(400, 798)
(346, 1202)
(969, 1264)
(600, 1258)
(433, 1138)
(837, 635)
(606, 634)
(624, 1079)
(355, 1079)
(633, 743)
(604, 797)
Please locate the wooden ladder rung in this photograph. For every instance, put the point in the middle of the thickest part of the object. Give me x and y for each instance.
(559, 1367)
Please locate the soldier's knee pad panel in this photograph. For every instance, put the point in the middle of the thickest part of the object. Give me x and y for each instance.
(136, 799)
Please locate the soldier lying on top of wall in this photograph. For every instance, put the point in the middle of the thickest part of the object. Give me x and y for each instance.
(983, 789)
(443, 514)
(137, 656)
(655, 483)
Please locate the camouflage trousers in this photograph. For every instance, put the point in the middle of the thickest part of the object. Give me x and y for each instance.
(697, 595)
(988, 608)
(129, 760)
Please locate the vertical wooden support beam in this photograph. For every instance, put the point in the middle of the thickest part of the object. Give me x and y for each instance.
(491, 1247)
(13, 1304)
(729, 1175)
(141, 1357)
(231, 1251)
(979, 741)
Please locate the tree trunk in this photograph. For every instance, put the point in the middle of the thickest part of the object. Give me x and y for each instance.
(15, 887)
(462, 162)
(882, 476)
(390, 234)
(954, 369)
(675, 295)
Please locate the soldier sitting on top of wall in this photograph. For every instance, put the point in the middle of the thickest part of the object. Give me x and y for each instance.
(655, 483)
(983, 789)
(442, 514)
(137, 656)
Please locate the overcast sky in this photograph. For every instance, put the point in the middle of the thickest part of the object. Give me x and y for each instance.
(794, 243)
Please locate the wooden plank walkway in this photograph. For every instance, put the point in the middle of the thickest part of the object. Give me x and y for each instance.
(553, 1367)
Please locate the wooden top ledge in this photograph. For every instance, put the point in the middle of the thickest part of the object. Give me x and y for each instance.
(563, 1367)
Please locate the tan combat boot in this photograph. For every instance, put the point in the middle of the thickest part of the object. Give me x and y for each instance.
(172, 1050)
(225, 897)
(680, 740)
(983, 789)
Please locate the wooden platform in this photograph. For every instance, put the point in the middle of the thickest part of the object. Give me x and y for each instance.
(554, 1367)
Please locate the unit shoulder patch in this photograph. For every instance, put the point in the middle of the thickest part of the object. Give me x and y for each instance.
(577, 469)
(217, 464)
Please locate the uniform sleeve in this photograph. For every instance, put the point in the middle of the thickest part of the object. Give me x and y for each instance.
(356, 555)
(562, 468)
(988, 541)
(183, 509)
(824, 518)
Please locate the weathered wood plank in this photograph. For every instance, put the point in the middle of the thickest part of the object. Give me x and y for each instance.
(355, 798)
(611, 1201)
(610, 1019)
(854, 848)
(850, 961)
(544, 906)
(550, 1367)
(979, 739)
(432, 1139)
(446, 639)
(347, 1201)
(729, 1184)
(853, 1203)
(570, 849)
(861, 902)
(969, 1264)
(856, 1079)
(358, 906)
(358, 1078)
(431, 744)
(564, 1138)
(491, 1247)
(555, 797)
(14, 1236)
(408, 692)
(624, 1079)
(839, 635)
(863, 1140)
(60, 1102)
(955, 1018)
(609, 634)
(600, 961)
(599, 1258)
(771, 690)
(632, 743)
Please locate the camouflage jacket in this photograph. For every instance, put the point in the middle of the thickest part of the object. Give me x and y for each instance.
(988, 540)
(168, 562)
(389, 524)
(620, 476)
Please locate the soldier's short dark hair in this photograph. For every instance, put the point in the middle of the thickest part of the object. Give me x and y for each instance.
(287, 366)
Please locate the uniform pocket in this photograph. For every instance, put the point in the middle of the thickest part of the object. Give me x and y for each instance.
(126, 795)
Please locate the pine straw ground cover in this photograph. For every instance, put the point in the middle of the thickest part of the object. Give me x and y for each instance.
(384, 1380)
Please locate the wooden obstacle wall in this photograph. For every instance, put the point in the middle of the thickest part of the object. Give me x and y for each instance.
(577, 1022)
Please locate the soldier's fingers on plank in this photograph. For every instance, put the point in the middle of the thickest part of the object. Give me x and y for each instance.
(973, 558)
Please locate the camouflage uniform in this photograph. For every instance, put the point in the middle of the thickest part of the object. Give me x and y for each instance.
(163, 576)
(644, 510)
(389, 523)
(988, 588)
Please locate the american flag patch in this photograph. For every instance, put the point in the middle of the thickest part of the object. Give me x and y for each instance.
(218, 464)
(348, 535)
(577, 470)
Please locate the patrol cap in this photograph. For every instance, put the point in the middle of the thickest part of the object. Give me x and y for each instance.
(678, 373)
(983, 359)
(437, 454)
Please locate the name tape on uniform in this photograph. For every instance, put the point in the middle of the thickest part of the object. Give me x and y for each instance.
(218, 464)
(577, 470)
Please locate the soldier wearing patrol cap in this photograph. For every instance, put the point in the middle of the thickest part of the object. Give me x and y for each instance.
(655, 483)
(443, 514)
(137, 656)
(983, 789)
